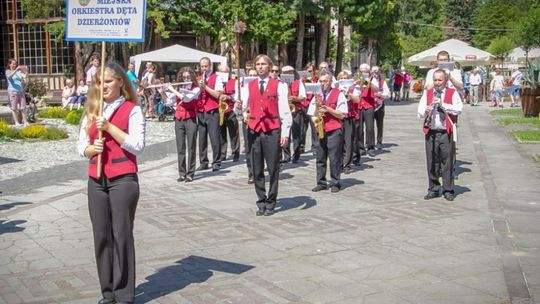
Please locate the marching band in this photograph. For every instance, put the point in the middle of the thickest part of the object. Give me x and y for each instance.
(275, 111)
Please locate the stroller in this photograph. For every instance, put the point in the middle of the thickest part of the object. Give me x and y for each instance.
(165, 104)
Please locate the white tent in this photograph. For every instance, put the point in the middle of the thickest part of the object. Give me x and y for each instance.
(517, 55)
(459, 51)
(174, 53)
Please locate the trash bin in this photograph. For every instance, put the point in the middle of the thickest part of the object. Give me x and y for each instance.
(530, 100)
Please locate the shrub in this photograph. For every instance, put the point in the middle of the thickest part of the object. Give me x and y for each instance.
(74, 117)
(53, 112)
(36, 88)
(54, 133)
(13, 133)
(34, 131)
(3, 127)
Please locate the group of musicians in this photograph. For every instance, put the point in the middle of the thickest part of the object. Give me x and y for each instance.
(275, 114)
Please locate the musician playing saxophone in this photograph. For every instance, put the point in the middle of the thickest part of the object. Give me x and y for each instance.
(332, 106)
(297, 95)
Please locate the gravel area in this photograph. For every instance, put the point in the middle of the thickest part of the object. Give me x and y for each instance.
(20, 157)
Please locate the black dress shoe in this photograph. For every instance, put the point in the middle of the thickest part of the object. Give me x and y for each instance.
(180, 179)
(334, 189)
(371, 153)
(346, 170)
(449, 196)
(215, 168)
(319, 188)
(236, 158)
(259, 212)
(431, 194)
(269, 212)
(106, 301)
(250, 180)
(202, 168)
(189, 179)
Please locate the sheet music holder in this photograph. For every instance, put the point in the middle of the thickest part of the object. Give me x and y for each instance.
(222, 77)
(287, 78)
(345, 84)
(304, 74)
(242, 72)
(248, 79)
(313, 88)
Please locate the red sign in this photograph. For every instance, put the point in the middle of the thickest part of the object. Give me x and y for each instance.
(470, 57)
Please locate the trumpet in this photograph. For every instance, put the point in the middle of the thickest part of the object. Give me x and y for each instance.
(365, 83)
(223, 107)
(292, 108)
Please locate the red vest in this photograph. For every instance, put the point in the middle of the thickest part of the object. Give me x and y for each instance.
(188, 110)
(381, 88)
(367, 98)
(264, 109)
(309, 97)
(449, 118)
(115, 161)
(229, 90)
(353, 112)
(209, 103)
(294, 90)
(331, 122)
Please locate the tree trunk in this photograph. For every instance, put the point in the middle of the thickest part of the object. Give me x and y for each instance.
(300, 41)
(324, 31)
(372, 51)
(340, 46)
(283, 54)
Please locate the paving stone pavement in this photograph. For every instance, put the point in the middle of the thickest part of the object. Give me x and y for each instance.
(376, 241)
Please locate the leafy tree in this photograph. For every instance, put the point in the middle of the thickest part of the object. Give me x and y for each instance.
(527, 32)
(500, 47)
(458, 16)
(416, 15)
(493, 14)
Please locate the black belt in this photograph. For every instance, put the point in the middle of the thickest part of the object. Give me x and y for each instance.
(114, 160)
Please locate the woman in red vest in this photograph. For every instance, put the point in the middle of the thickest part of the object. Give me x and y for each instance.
(113, 196)
(185, 122)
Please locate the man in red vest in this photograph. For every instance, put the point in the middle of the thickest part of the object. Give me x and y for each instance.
(208, 117)
(440, 106)
(266, 107)
(332, 106)
(230, 121)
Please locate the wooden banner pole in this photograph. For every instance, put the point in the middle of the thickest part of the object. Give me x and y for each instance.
(100, 103)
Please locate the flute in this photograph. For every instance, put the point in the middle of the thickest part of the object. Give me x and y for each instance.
(167, 84)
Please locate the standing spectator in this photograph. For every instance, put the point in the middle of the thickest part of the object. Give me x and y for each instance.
(407, 79)
(148, 79)
(466, 87)
(398, 82)
(475, 82)
(132, 77)
(517, 76)
(497, 89)
(91, 72)
(113, 196)
(68, 94)
(16, 78)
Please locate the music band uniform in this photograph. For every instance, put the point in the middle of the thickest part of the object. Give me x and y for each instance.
(230, 123)
(297, 90)
(208, 124)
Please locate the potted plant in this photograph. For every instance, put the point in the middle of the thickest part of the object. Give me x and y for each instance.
(527, 35)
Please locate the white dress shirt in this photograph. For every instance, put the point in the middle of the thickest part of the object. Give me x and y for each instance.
(455, 108)
(134, 141)
(283, 103)
(456, 75)
(385, 91)
(341, 106)
(475, 79)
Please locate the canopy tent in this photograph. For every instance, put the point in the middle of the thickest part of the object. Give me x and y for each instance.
(174, 53)
(517, 55)
(459, 51)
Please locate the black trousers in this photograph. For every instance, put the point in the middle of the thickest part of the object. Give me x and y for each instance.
(314, 137)
(112, 204)
(440, 155)
(186, 135)
(230, 124)
(247, 149)
(296, 132)
(367, 119)
(379, 123)
(356, 142)
(348, 128)
(264, 147)
(331, 147)
(208, 126)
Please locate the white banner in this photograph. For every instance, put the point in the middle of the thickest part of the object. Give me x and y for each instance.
(105, 20)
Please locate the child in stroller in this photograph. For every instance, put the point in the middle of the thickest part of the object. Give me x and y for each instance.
(165, 102)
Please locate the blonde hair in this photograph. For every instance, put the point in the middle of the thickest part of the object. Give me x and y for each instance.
(92, 103)
(266, 58)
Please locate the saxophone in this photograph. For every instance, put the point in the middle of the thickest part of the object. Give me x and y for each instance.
(319, 120)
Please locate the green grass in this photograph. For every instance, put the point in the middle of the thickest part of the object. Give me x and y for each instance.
(519, 120)
(527, 135)
(513, 112)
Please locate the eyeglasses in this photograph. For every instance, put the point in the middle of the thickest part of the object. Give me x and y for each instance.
(275, 71)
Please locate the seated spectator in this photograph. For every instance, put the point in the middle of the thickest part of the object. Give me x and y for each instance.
(82, 90)
(68, 94)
